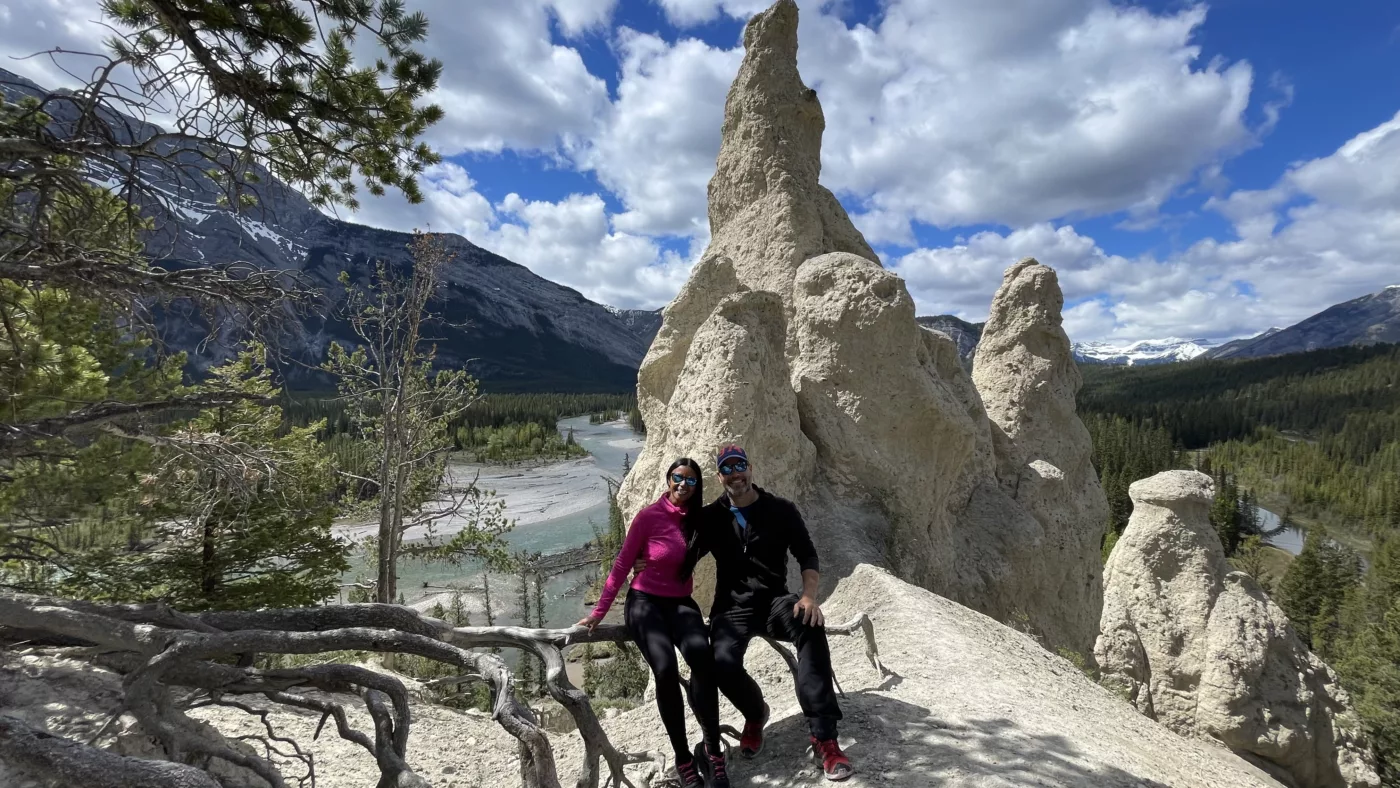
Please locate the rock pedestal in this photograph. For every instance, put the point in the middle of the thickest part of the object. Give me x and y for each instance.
(1204, 650)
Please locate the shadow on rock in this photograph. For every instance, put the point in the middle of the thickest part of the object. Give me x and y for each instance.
(891, 742)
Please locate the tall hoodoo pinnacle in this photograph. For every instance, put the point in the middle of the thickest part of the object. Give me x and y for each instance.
(765, 189)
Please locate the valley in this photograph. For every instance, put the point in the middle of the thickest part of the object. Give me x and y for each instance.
(556, 507)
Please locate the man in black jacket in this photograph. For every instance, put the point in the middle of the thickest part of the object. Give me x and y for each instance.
(750, 531)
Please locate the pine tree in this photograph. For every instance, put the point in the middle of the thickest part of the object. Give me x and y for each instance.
(1368, 658)
(241, 512)
(1251, 559)
(1313, 589)
(1225, 512)
(525, 670)
(457, 614)
(540, 623)
(89, 398)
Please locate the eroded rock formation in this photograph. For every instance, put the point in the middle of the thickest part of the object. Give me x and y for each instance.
(793, 340)
(1203, 650)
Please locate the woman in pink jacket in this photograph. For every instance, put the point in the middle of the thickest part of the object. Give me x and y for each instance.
(662, 616)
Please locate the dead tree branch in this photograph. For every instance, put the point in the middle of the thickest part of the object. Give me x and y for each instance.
(160, 650)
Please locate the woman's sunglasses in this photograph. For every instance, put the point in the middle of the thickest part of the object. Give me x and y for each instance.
(689, 481)
(733, 467)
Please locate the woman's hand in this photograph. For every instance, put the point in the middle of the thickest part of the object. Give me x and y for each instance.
(590, 621)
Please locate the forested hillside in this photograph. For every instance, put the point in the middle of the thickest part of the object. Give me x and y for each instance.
(1319, 431)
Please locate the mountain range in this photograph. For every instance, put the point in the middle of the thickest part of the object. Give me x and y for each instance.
(512, 330)
(1144, 351)
(1367, 320)
(1147, 351)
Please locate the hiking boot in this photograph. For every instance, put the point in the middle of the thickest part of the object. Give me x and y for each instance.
(689, 775)
(718, 771)
(751, 742)
(834, 762)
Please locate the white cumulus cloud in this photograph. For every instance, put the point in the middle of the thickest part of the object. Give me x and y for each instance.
(962, 112)
(1327, 231)
(656, 146)
(572, 241)
(687, 13)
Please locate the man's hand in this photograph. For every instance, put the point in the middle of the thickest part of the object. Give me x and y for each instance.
(808, 612)
(639, 567)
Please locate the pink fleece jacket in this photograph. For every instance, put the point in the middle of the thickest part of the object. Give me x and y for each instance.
(655, 535)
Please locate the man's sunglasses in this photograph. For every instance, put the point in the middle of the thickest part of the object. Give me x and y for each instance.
(733, 467)
(688, 481)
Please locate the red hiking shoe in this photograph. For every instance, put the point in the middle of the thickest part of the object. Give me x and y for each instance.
(751, 742)
(689, 776)
(719, 770)
(834, 762)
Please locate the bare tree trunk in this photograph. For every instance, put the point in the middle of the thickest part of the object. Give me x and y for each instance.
(388, 577)
(209, 578)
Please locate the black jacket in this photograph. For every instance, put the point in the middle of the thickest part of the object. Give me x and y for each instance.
(751, 564)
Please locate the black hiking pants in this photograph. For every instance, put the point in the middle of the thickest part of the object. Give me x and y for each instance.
(733, 627)
(659, 625)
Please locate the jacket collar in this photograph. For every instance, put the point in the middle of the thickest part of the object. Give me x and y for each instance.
(665, 501)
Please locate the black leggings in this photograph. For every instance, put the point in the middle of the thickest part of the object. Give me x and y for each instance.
(659, 625)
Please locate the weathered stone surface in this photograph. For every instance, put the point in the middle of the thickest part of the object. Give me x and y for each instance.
(767, 211)
(1027, 378)
(791, 339)
(968, 703)
(1203, 650)
(883, 421)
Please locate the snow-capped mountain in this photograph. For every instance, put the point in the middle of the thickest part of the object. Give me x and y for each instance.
(1144, 351)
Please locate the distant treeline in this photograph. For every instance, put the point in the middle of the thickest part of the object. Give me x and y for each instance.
(491, 410)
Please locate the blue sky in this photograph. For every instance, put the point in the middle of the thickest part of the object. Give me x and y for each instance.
(1193, 170)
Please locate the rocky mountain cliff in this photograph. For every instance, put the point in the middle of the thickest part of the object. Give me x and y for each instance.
(512, 329)
(792, 339)
(1361, 321)
(964, 334)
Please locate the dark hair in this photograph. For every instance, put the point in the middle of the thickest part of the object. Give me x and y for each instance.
(692, 507)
